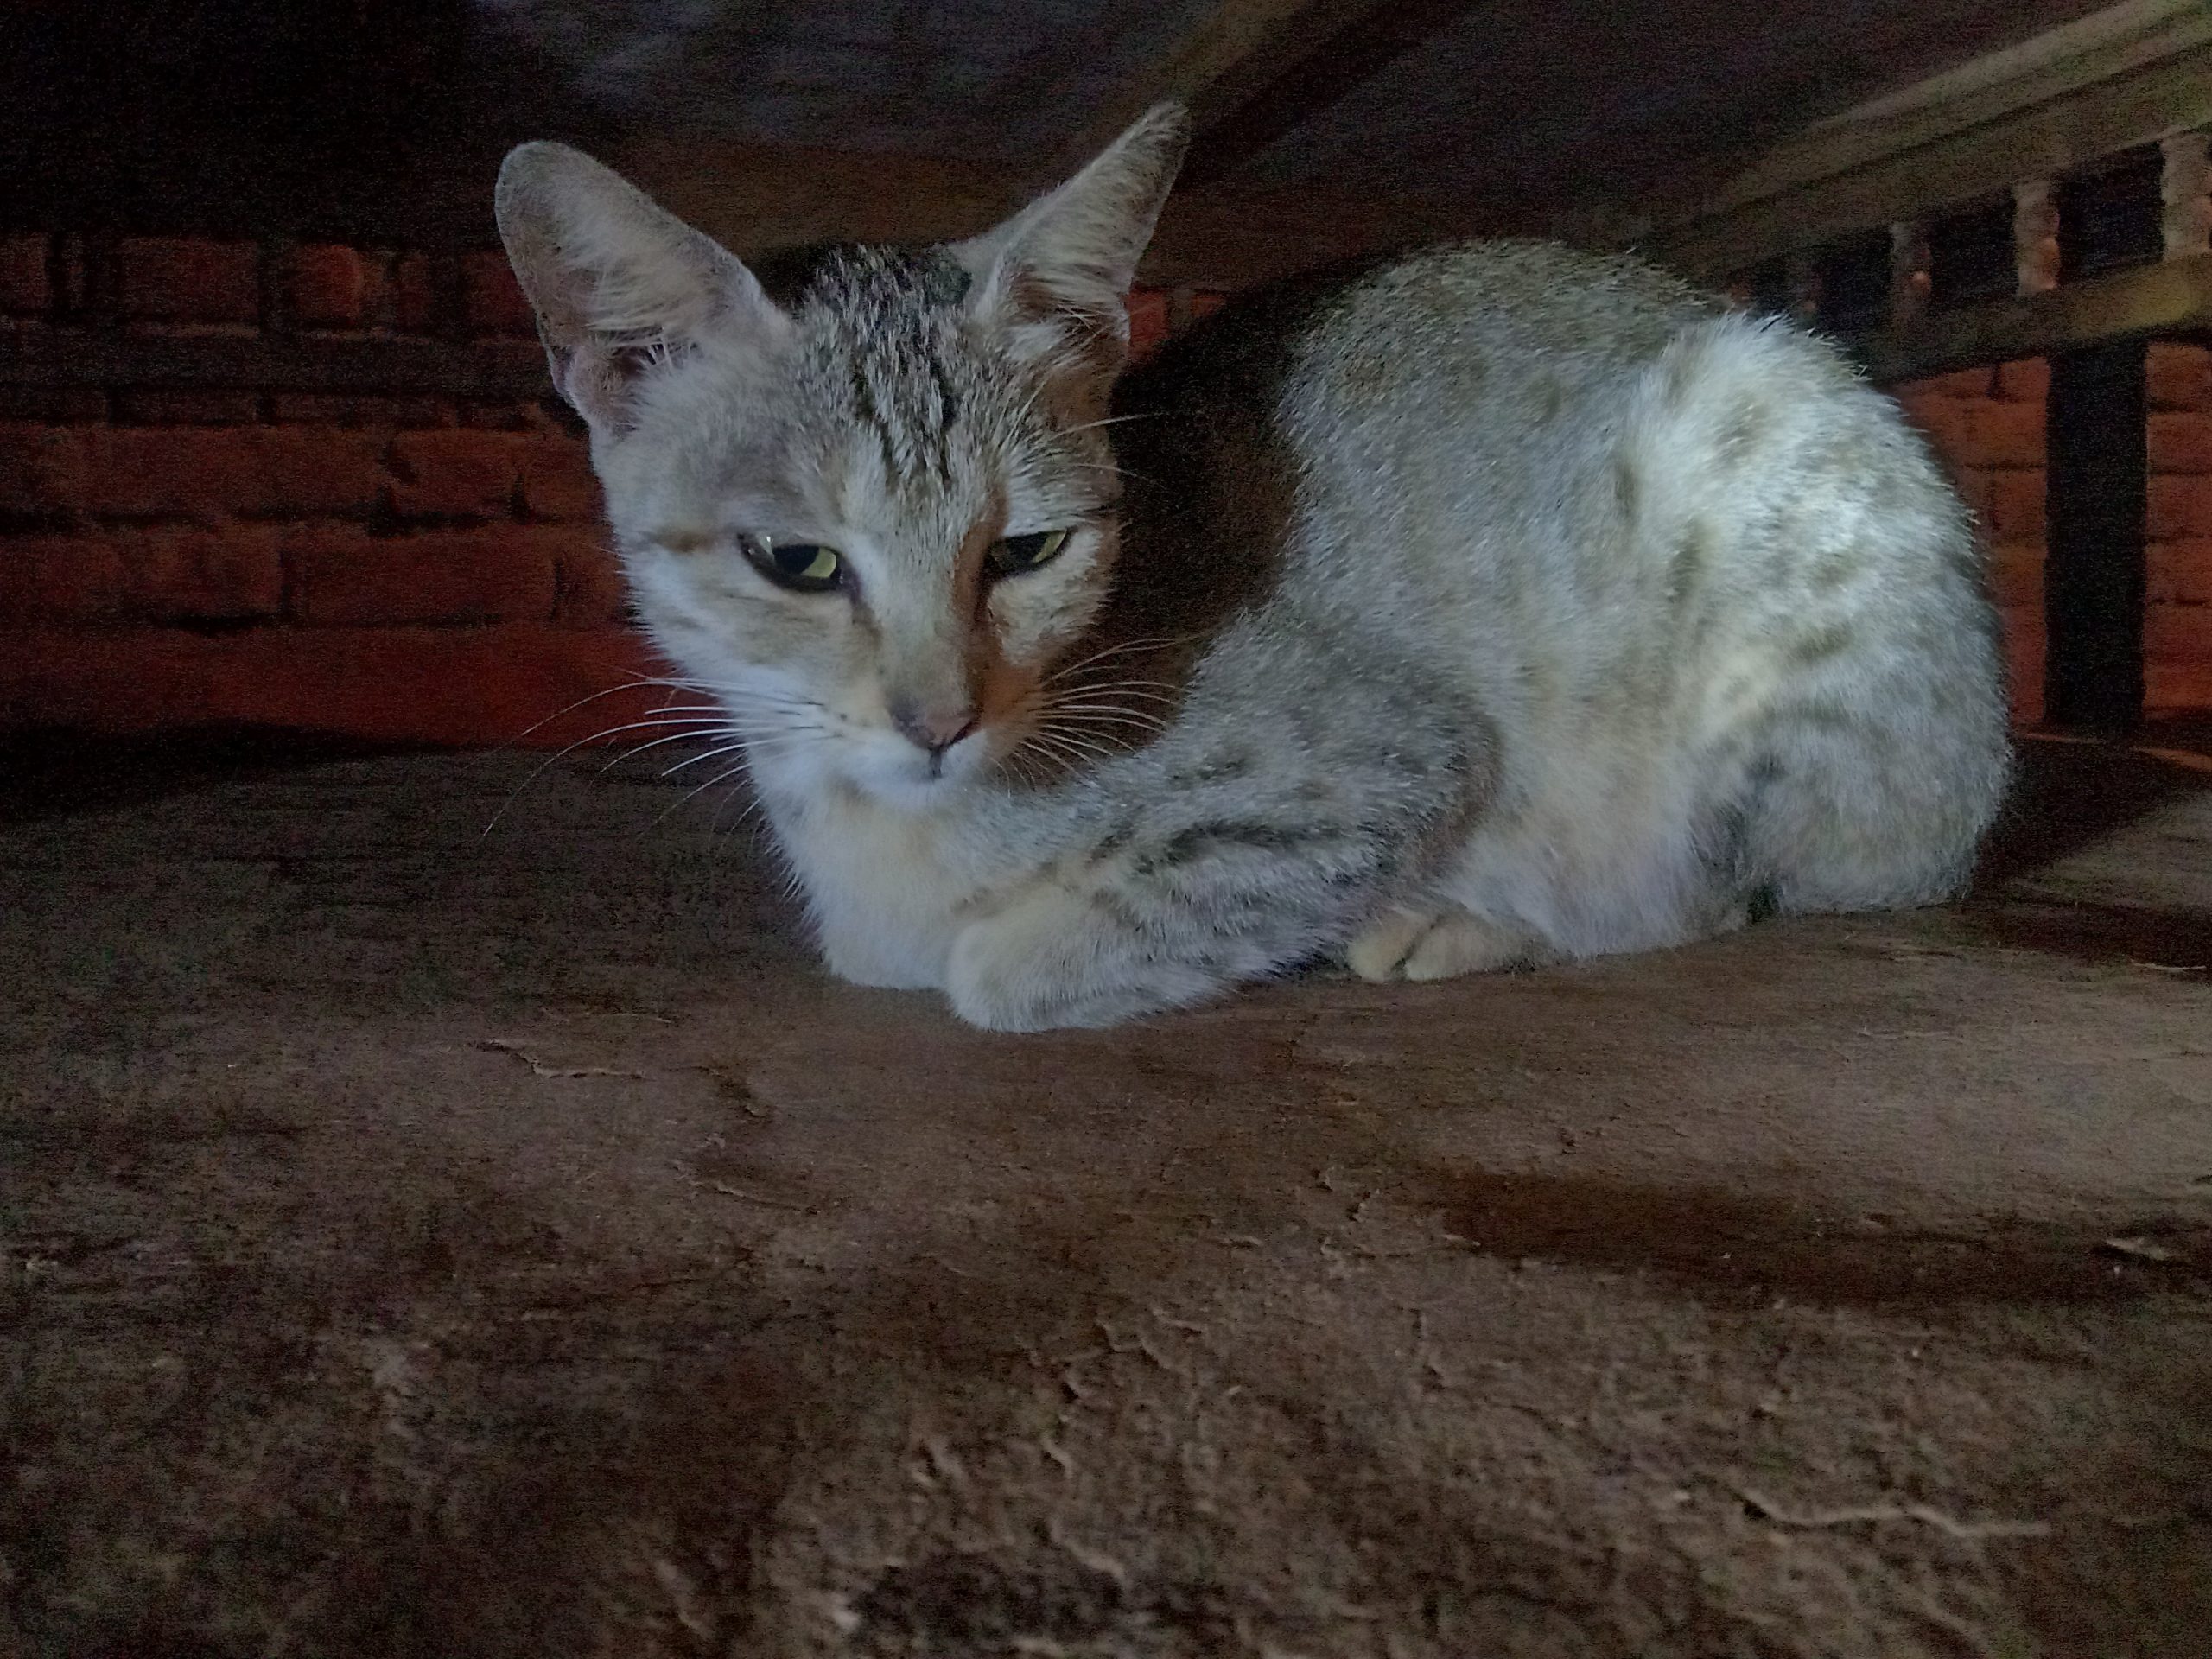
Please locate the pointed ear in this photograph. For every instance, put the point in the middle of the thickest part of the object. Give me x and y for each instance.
(620, 285)
(1054, 276)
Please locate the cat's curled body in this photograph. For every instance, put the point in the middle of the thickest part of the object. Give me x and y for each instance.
(1493, 604)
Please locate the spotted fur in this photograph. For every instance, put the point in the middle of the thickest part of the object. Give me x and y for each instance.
(1489, 604)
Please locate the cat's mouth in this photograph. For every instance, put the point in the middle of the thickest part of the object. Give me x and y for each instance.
(916, 777)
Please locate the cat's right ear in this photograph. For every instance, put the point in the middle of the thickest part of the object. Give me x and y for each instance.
(620, 285)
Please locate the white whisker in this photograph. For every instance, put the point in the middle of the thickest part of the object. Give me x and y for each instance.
(1113, 420)
(704, 729)
(737, 747)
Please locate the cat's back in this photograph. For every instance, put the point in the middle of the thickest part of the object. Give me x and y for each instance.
(1491, 319)
(1482, 325)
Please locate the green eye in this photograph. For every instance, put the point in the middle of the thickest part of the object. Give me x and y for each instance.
(802, 567)
(1019, 553)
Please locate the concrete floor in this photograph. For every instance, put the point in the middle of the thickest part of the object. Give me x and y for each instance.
(424, 1242)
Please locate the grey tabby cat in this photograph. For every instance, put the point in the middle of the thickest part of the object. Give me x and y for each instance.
(1495, 605)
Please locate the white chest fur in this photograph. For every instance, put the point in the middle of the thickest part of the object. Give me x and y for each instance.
(880, 893)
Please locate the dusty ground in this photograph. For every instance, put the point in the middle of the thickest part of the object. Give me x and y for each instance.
(422, 1243)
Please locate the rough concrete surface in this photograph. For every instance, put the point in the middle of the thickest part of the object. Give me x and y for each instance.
(424, 1242)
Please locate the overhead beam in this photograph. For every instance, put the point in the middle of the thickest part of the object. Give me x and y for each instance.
(2171, 297)
(1252, 70)
(2133, 74)
(755, 199)
(1228, 39)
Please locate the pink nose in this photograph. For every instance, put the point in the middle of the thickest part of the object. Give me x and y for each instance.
(934, 729)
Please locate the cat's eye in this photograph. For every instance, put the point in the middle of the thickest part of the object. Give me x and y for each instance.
(1015, 554)
(802, 567)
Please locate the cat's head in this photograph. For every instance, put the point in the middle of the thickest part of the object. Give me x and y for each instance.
(875, 513)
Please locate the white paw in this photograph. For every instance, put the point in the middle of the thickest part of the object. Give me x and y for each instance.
(1434, 944)
(1049, 961)
(883, 963)
(1377, 953)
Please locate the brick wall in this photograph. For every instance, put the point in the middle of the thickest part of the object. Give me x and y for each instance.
(323, 487)
(408, 563)
(404, 562)
(2177, 622)
(1988, 426)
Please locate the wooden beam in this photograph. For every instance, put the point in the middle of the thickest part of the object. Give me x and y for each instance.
(1253, 69)
(1331, 60)
(2094, 565)
(2035, 237)
(2185, 195)
(755, 199)
(1227, 39)
(2166, 298)
(2134, 75)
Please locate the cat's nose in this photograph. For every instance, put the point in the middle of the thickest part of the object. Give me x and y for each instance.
(935, 729)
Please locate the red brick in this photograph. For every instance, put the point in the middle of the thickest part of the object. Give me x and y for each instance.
(26, 289)
(2180, 441)
(2016, 576)
(557, 481)
(1959, 383)
(235, 573)
(1974, 489)
(415, 301)
(2025, 646)
(1970, 432)
(507, 417)
(53, 405)
(1205, 301)
(2016, 506)
(593, 593)
(2024, 380)
(463, 474)
(188, 408)
(328, 287)
(406, 685)
(2177, 688)
(42, 468)
(345, 409)
(213, 471)
(2177, 633)
(58, 579)
(2178, 573)
(342, 577)
(176, 279)
(2178, 376)
(71, 273)
(491, 300)
(1147, 308)
(2180, 507)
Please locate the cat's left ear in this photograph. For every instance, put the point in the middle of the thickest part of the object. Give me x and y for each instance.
(1054, 276)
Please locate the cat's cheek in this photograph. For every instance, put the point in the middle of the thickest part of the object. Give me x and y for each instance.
(1037, 619)
(1047, 962)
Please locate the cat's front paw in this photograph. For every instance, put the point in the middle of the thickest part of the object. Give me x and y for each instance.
(1052, 960)
(1434, 944)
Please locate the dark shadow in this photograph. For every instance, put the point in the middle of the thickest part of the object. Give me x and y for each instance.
(1728, 1246)
(2176, 936)
(52, 774)
(2068, 796)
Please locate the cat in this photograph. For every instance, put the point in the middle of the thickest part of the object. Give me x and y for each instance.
(1490, 606)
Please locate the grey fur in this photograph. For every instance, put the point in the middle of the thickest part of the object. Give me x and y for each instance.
(1492, 605)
